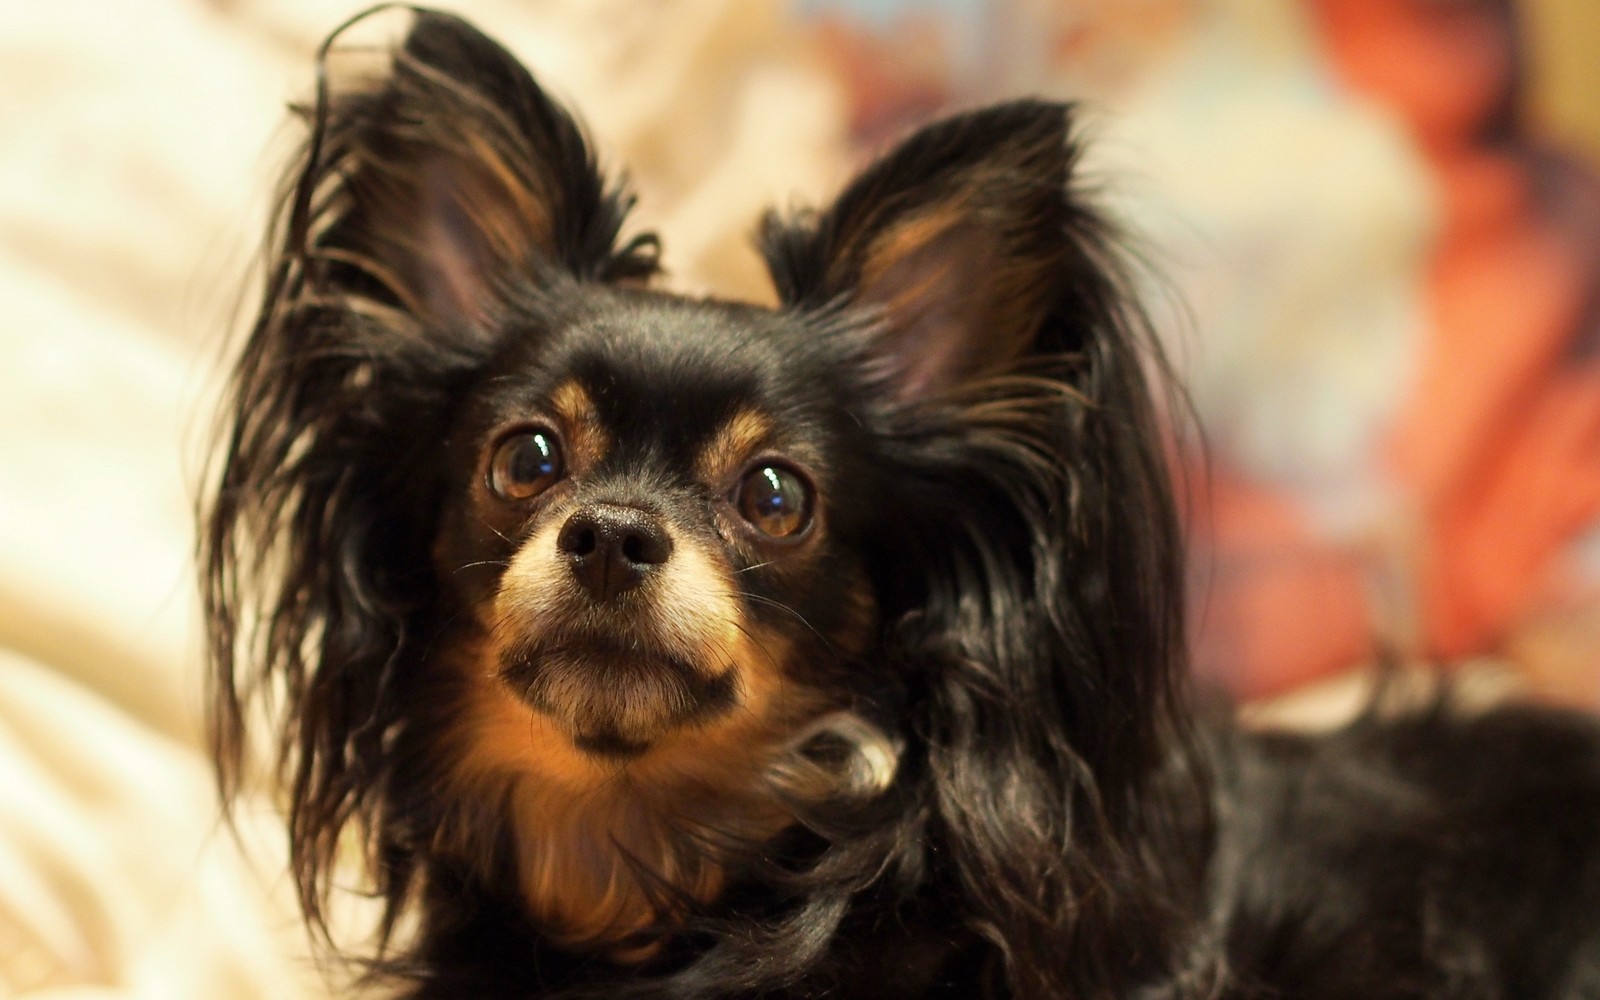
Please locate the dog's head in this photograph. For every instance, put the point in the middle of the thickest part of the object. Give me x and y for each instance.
(508, 512)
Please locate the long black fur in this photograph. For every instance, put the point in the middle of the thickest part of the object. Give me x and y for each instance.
(1060, 823)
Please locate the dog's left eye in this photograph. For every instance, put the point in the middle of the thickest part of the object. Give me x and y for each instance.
(775, 500)
(525, 465)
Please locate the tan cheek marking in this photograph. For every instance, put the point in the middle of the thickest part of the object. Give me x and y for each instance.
(504, 738)
(732, 444)
(530, 584)
(587, 441)
(696, 615)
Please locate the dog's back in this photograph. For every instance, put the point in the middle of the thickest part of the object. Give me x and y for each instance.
(1431, 855)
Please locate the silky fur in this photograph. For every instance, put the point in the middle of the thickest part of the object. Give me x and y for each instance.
(940, 746)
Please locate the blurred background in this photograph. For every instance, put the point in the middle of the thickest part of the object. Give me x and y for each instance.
(1372, 230)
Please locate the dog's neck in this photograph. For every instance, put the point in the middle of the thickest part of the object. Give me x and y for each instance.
(607, 866)
(607, 852)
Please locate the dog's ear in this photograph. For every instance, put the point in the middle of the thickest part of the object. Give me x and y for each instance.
(445, 175)
(428, 195)
(959, 237)
(1030, 573)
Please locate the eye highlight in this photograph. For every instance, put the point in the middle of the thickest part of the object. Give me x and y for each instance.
(775, 500)
(525, 464)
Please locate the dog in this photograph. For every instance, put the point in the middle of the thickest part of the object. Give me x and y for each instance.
(639, 645)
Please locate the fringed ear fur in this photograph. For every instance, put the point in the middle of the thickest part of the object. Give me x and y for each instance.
(426, 191)
(956, 239)
(453, 171)
(1044, 631)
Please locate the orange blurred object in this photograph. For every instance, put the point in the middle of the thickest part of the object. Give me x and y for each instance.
(1499, 443)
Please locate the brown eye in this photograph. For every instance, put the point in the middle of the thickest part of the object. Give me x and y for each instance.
(525, 465)
(775, 500)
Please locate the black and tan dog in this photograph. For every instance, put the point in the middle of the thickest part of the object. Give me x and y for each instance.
(647, 646)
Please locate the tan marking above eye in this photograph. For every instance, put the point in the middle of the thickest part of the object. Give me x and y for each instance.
(744, 433)
(587, 440)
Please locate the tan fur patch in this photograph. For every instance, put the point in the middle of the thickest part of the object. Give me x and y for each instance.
(904, 242)
(949, 282)
(528, 221)
(731, 446)
(587, 441)
(861, 615)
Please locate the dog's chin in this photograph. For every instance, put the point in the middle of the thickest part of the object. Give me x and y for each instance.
(618, 704)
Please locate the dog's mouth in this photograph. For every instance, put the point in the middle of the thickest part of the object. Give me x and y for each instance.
(616, 700)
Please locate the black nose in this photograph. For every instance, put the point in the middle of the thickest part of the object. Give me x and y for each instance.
(611, 547)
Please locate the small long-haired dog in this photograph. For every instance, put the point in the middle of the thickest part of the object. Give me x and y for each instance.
(647, 646)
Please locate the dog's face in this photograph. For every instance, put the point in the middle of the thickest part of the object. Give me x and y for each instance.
(649, 522)
(655, 513)
(646, 554)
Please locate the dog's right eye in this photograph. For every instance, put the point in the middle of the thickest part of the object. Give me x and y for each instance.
(525, 465)
(775, 500)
